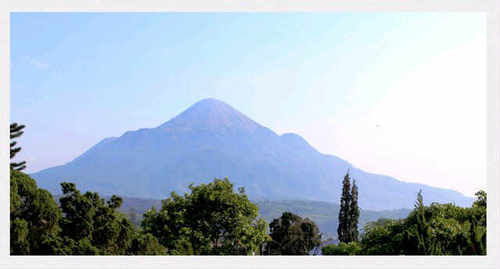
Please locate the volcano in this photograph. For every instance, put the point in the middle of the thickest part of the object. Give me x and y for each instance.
(211, 139)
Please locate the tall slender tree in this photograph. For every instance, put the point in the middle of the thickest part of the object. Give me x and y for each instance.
(354, 214)
(345, 210)
(422, 228)
(16, 131)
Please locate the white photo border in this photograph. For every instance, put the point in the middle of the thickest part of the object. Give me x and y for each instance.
(490, 7)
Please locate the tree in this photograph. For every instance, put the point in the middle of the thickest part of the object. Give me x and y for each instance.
(437, 229)
(422, 229)
(34, 216)
(480, 201)
(292, 235)
(16, 131)
(146, 244)
(81, 225)
(90, 218)
(351, 248)
(354, 213)
(477, 218)
(168, 225)
(211, 219)
(381, 237)
(344, 228)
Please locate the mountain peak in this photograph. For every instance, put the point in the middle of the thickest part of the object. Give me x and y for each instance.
(210, 139)
(210, 102)
(212, 114)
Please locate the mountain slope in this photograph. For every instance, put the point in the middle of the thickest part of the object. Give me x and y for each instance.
(211, 139)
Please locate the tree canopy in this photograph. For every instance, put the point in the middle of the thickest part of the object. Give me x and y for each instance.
(292, 235)
(83, 224)
(438, 229)
(211, 219)
(34, 216)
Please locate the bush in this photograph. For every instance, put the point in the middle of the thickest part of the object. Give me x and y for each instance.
(351, 248)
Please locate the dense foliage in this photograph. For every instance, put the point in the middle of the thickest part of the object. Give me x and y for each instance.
(292, 235)
(438, 229)
(34, 216)
(83, 224)
(344, 249)
(211, 220)
(214, 220)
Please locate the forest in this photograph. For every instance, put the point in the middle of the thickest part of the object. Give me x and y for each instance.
(214, 219)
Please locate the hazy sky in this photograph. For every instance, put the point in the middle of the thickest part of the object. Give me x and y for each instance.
(402, 94)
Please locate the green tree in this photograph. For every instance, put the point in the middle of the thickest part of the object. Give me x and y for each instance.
(89, 217)
(480, 201)
(344, 228)
(382, 237)
(34, 216)
(211, 219)
(146, 244)
(15, 132)
(81, 225)
(422, 230)
(292, 235)
(345, 249)
(477, 219)
(169, 225)
(354, 213)
(437, 229)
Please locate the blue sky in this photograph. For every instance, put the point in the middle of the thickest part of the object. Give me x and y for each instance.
(393, 93)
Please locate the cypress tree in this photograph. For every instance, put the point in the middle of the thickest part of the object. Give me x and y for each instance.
(344, 212)
(422, 227)
(354, 214)
(16, 131)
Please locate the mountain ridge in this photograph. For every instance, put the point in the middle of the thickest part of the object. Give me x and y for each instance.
(212, 139)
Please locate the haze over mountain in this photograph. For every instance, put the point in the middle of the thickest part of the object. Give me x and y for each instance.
(212, 139)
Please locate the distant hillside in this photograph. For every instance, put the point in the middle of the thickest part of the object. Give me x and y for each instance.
(211, 139)
(323, 213)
